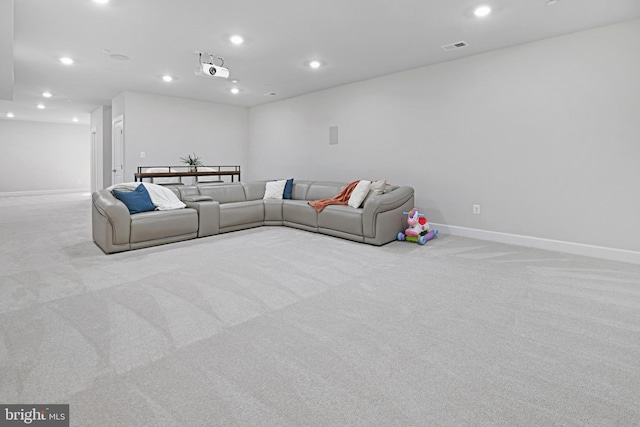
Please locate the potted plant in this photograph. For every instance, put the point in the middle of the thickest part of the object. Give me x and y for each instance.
(193, 161)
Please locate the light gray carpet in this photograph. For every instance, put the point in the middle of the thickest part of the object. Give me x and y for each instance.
(280, 327)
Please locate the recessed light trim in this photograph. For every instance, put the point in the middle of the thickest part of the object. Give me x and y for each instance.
(101, 1)
(66, 60)
(47, 94)
(234, 90)
(119, 57)
(552, 2)
(236, 39)
(41, 106)
(315, 64)
(10, 115)
(482, 11)
(75, 120)
(167, 78)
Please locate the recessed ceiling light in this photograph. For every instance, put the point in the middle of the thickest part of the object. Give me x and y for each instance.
(119, 57)
(236, 39)
(101, 1)
(10, 115)
(47, 94)
(66, 60)
(167, 78)
(234, 81)
(552, 2)
(75, 120)
(234, 90)
(482, 11)
(41, 106)
(314, 64)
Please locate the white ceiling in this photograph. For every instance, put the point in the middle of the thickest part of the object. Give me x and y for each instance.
(354, 39)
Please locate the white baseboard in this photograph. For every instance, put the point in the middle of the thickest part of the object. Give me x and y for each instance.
(43, 192)
(612, 254)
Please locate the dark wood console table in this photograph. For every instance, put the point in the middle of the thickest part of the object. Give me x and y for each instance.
(175, 171)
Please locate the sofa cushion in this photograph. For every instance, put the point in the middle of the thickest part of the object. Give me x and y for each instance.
(254, 190)
(299, 212)
(137, 200)
(299, 189)
(341, 218)
(187, 191)
(324, 190)
(273, 210)
(160, 224)
(241, 213)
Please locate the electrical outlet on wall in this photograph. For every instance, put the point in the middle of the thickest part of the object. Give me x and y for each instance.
(476, 209)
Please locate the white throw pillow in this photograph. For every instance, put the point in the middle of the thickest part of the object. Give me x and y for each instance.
(163, 198)
(274, 189)
(359, 193)
(377, 187)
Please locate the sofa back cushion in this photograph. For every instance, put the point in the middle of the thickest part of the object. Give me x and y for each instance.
(187, 190)
(254, 190)
(299, 189)
(324, 190)
(224, 193)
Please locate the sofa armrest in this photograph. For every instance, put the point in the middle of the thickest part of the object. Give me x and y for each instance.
(111, 221)
(198, 198)
(394, 200)
(208, 215)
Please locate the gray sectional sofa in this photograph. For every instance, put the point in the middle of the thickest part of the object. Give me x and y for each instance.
(220, 208)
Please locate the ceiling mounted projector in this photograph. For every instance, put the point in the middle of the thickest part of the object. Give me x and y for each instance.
(209, 69)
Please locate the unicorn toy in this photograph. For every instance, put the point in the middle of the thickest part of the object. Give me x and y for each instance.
(419, 230)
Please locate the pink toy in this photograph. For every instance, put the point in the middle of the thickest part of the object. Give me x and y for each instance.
(417, 223)
(419, 230)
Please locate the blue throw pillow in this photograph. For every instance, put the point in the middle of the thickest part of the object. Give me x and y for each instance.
(137, 200)
(288, 188)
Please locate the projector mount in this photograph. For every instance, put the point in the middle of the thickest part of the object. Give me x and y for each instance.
(212, 58)
(209, 69)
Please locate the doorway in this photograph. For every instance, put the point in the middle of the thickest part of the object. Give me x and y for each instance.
(95, 161)
(118, 150)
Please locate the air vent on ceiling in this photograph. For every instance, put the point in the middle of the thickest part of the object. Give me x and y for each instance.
(453, 46)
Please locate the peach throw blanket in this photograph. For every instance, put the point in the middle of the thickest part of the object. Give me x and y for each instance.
(342, 198)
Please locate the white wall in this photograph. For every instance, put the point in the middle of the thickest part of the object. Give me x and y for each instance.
(167, 128)
(44, 156)
(544, 136)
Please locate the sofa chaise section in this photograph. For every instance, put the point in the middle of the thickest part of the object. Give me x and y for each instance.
(115, 229)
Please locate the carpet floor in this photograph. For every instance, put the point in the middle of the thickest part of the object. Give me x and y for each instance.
(275, 326)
